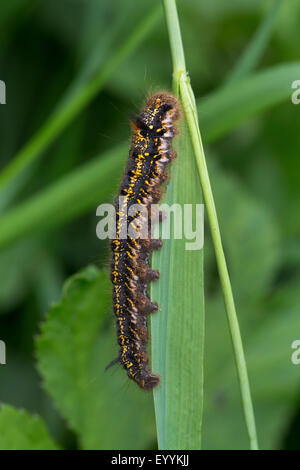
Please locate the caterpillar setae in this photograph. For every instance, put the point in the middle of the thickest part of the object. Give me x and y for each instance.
(150, 152)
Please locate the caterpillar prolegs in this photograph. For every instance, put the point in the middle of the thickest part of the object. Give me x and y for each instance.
(150, 152)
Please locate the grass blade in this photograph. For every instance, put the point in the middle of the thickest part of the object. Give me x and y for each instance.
(81, 189)
(178, 328)
(220, 113)
(178, 331)
(189, 105)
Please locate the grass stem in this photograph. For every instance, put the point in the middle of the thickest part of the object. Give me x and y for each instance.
(182, 83)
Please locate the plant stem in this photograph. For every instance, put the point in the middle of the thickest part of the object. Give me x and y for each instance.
(182, 83)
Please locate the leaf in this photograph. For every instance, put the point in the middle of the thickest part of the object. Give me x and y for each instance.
(178, 327)
(20, 431)
(76, 344)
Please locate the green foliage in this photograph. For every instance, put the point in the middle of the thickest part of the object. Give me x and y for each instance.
(233, 104)
(242, 216)
(180, 320)
(275, 380)
(73, 350)
(268, 325)
(48, 219)
(72, 104)
(20, 431)
(79, 190)
(257, 46)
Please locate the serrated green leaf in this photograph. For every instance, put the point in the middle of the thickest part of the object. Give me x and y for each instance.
(76, 344)
(20, 431)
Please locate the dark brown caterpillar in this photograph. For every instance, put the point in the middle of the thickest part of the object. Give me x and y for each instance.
(145, 172)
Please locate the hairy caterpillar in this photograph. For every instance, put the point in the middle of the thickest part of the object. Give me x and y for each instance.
(150, 152)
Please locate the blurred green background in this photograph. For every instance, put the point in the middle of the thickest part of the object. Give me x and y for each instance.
(49, 50)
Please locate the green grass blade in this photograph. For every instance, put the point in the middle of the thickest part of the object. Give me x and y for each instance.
(219, 113)
(72, 107)
(189, 106)
(178, 328)
(82, 189)
(256, 47)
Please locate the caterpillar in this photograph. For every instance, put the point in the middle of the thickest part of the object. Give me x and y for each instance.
(150, 152)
